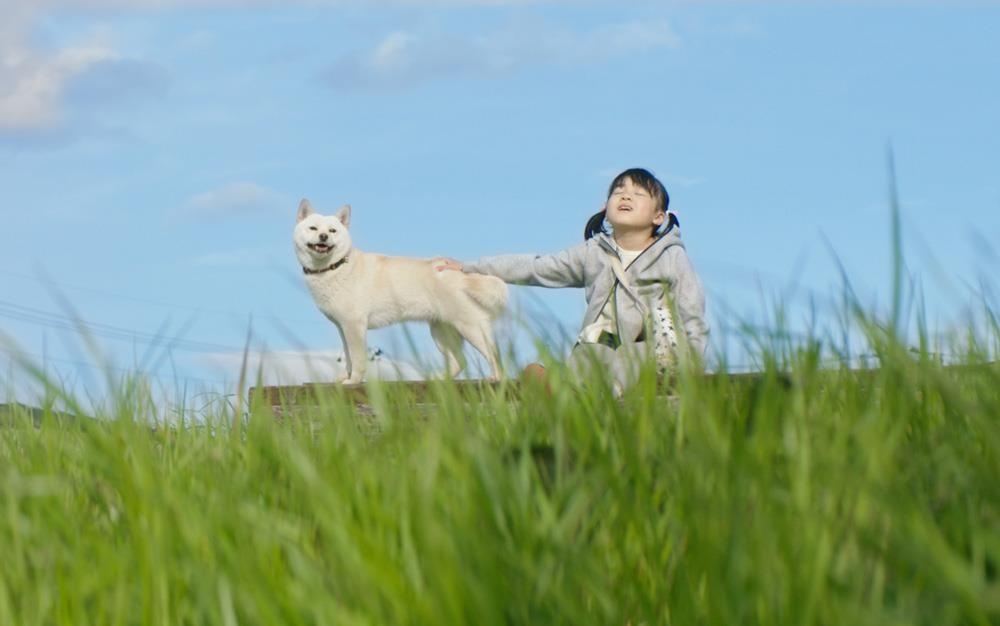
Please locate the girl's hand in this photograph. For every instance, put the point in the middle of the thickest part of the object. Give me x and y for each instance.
(443, 264)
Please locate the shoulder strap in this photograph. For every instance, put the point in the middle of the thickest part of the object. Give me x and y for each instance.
(619, 270)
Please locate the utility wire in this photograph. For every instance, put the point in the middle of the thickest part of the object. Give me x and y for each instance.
(157, 303)
(56, 321)
(15, 355)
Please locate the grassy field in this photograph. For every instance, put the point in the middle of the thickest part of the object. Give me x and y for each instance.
(811, 496)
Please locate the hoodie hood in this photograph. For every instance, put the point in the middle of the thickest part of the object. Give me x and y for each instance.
(651, 254)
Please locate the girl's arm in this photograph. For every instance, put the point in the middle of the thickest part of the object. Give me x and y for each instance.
(562, 269)
(689, 298)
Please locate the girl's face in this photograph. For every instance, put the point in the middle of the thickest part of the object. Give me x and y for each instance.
(631, 207)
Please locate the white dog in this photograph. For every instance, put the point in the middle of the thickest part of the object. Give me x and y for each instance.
(358, 290)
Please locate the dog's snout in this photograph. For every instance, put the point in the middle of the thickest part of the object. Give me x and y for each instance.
(323, 236)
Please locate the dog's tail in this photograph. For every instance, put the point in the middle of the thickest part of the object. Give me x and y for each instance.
(489, 292)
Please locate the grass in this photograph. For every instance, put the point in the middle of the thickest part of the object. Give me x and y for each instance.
(807, 496)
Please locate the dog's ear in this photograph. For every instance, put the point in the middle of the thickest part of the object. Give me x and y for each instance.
(305, 209)
(344, 215)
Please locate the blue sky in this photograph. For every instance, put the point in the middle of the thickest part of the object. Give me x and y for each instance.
(152, 155)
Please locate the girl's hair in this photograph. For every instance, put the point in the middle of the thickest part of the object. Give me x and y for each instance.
(645, 179)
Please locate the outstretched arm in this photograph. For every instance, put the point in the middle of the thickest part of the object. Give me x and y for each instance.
(562, 269)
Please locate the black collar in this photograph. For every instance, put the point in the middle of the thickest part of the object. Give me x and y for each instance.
(325, 269)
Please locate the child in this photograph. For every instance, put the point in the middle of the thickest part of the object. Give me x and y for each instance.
(637, 280)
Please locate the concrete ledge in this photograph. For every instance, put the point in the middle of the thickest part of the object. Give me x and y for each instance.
(424, 391)
(420, 390)
(307, 394)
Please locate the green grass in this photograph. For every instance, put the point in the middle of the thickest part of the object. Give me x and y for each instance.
(811, 496)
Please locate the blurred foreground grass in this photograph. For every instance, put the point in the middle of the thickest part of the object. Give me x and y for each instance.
(811, 496)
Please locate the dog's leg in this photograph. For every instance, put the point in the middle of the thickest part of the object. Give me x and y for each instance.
(347, 353)
(355, 351)
(449, 342)
(481, 337)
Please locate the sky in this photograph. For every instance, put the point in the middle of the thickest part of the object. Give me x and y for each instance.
(153, 153)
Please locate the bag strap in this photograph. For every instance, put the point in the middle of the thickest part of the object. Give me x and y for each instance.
(668, 302)
(619, 270)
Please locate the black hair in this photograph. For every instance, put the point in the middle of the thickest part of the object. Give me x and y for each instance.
(645, 179)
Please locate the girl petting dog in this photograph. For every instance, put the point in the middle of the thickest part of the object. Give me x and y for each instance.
(644, 299)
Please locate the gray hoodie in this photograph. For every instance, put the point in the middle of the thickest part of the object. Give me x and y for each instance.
(663, 265)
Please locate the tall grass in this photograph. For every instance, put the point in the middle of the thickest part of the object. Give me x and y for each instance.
(803, 496)
(807, 494)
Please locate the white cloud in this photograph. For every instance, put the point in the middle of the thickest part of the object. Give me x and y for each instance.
(404, 59)
(33, 85)
(43, 91)
(235, 198)
(390, 55)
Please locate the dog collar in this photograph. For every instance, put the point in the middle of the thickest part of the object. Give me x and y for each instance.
(325, 269)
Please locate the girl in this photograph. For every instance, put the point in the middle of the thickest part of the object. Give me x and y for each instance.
(637, 279)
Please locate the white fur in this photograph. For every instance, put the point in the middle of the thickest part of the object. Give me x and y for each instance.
(373, 290)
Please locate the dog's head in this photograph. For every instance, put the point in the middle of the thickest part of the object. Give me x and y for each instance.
(321, 240)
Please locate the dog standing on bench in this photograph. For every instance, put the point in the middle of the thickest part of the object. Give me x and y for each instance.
(359, 290)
